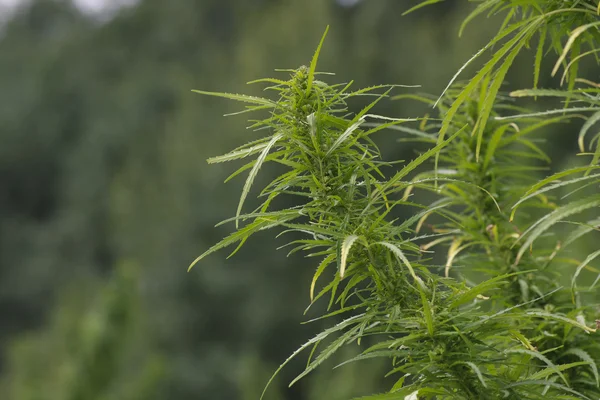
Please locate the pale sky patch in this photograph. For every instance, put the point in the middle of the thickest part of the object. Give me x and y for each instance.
(88, 6)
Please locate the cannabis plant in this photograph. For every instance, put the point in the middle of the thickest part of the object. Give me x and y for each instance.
(465, 298)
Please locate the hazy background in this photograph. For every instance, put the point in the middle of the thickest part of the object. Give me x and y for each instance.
(105, 195)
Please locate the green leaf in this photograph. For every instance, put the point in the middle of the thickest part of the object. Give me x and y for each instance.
(400, 255)
(539, 190)
(538, 56)
(581, 266)
(567, 94)
(254, 172)
(234, 155)
(258, 225)
(546, 372)
(426, 311)
(548, 112)
(479, 289)
(421, 5)
(588, 360)
(582, 230)
(546, 383)
(344, 136)
(557, 317)
(479, 10)
(493, 144)
(477, 371)
(313, 63)
(591, 121)
(239, 97)
(346, 246)
(406, 393)
(483, 72)
(554, 369)
(492, 93)
(342, 325)
(326, 261)
(411, 166)
(543, 224)
(574, 35)
(327, 352)
(363, 113)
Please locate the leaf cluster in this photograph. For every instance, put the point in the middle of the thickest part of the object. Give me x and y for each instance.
(494, 321)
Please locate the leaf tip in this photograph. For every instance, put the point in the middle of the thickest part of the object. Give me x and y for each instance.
(195, 262)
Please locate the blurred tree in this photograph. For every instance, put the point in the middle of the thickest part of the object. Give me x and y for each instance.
(94, 348)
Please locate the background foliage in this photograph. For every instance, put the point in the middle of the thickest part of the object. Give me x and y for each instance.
(106, 196)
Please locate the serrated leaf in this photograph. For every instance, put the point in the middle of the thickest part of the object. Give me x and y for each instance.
(328, 260)
(570, 42)
(313, 63)
(581, 266)
(481, 288)
(547, 383)
(547, 112)
(548, 93)
(477, 371)
(543, 314)
(411, 166)
(346, 246)
(254, 172)
(319, 337)
(591, 121)
(327, 352)
(493, 144)
(400, 255)
(241, 234)
(479, 10)
(344, 136)
(537, 66)
(483, 72)
(421, 5)
(553, 367)
(492, 93)
(407, 393)
(426, 310)
(587, 358)
(538, 189)
(544, 223)
(546, 372)
(239, 97)
(234, 155)
(582, 230)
